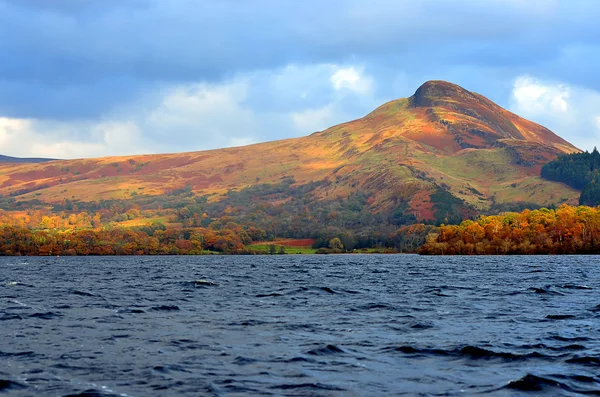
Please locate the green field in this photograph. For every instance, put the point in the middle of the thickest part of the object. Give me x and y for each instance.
(288, 249)
(308, 250)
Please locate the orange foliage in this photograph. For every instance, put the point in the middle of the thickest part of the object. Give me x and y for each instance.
(566, 230)
(21, 241)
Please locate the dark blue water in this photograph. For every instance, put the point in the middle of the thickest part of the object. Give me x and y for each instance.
(359, 325)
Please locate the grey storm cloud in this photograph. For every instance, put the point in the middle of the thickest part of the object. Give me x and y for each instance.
(81, 66)
(96, 53)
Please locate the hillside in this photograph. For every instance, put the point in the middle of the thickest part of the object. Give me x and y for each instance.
(443, 152)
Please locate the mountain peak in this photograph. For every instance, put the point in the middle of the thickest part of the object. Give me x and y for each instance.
(433, 92)
(453, 118)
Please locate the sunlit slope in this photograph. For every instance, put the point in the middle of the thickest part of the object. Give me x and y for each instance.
(442, 137)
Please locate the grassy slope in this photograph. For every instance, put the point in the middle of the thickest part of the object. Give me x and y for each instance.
(398, 150)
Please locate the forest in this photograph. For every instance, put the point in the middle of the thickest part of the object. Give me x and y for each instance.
(156, 239)
(578, 170)
(260, 213)
(565, 230)
(250, 220)
(181, 223)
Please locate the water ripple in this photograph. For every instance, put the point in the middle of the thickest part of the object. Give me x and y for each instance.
(343, 325)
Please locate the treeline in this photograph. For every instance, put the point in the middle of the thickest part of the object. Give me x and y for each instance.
(156, 239)
(147, 240)
(282, 210)
(578, 170)
(265, 212)
(566, 230)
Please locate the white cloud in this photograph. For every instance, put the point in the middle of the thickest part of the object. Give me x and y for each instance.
(187, 118)
(534, 96)
(312, 120)
(10, 130)
(200, 116)
(353, 79)
(570, 111)
(38, 138)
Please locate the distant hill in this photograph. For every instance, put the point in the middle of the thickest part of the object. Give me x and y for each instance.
(8, 159)
(442, 154)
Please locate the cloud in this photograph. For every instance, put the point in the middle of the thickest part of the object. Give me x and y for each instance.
(35, 138)
(571, 111)
(185, 117)
(201, 115)
(67, 58)
(351, 79)
(535, 97)
(198, 116)
(313, 119)
(181, 75)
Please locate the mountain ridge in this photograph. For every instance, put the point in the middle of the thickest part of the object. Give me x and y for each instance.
(402, 154)
(9, 159)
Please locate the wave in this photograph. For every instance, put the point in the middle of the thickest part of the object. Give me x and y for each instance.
(533, 383)
(6, 385)
(536, 383)
(544, 290)
(585, 360)
(328, 290)
(470, 352)
(560, 316)
(241, 360)
(554, 348)
(91, 393)
(313, 288)
(313, 386)
(249, 322)
(82, 293)
(421, 325)
(235, 389)
(45, 316)
(326, 350)
(164, 308)
(170, 368)
(205, 283)
(376, 306)
(268, 295)
(17, 284)
(132, 311)
(299, 360)
(575, 286)
(11, 316)
(570, 338)
(26, 353)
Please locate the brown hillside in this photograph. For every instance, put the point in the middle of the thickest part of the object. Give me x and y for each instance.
(441, 137)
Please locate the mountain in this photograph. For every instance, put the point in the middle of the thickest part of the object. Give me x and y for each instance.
(8, 159)
(443, 152)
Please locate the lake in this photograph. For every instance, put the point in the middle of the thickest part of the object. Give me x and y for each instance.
(337, 325)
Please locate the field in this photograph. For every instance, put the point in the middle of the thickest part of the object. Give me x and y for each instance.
(291, 246)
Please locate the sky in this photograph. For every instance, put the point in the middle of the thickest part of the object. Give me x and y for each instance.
(87, 78)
